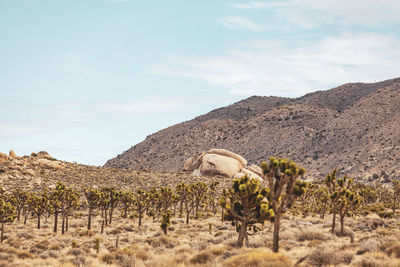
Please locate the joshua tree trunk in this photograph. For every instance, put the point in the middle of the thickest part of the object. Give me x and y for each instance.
(242, 235)
(222, 215)
(55, 222)
(63, 224)
(333, 222)
(342, 224)
(275, 238)
(89, 224)
(140, 218)
(66, 223)
(38, 222)
(111, 214)
(26, 217)
(187, 217)
(2, 233)
(105, 216)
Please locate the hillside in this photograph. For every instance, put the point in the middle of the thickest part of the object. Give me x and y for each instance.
(354, 127)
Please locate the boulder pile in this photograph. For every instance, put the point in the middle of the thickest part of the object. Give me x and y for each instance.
(221, 162)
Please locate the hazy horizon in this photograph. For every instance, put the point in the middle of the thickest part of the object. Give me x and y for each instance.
(86, 80)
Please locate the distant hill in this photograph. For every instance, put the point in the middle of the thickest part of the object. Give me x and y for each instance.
(354, 127)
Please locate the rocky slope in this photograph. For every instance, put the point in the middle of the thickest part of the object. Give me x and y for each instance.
(354, 127)
(39, 171)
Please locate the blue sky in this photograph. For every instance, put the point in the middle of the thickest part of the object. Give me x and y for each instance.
(87, 79)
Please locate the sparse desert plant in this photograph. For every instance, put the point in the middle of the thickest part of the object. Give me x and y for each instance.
(39, 204)
(166, 221)
(248, 205)
(127, 200)
(93, 199)
(282, 177)
(7, 214)
(141, 202)
(258, 258)
(343, 197)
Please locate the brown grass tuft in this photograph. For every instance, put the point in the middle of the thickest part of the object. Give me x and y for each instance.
(258, 258)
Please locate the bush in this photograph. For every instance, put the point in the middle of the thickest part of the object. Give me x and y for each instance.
(258, 258)
(311, 235)
(322, 256)
(202, 258)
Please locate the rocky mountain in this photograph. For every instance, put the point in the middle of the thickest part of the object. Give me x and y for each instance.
(354, 128)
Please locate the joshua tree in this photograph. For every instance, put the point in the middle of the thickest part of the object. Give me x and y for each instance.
(212, 196)
(200, 195)
(127, 200)
(141, 202)
(282, 178)
(247, 204)
(55, 200)
(114, 197)
(166, 221)
(7, 213)
(93, 199)
(179, 188)
(322, 198)
(343, 197)
(39, 203)
(396, 194)
(20, 198)
(70, 201)
(167, 197)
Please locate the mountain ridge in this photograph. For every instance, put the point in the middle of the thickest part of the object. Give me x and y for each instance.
(321, 130)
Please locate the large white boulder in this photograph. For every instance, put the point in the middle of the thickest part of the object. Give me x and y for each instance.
(213, 164)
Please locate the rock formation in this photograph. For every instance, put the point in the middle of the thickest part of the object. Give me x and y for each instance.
(221, 162)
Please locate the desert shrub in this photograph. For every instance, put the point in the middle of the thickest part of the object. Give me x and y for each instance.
(322, 256)
(126, 257)
(394, 250)
(258, 258)
(79, 261)
(368, 246)
(311, 235)
(202, 258)
(76, 252)
(368, 262)
(42, 245)
(218, 251)
(24, 255)
(6, 257)
(314, 243)
(347, 257)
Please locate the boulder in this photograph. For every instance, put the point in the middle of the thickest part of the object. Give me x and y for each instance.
(45, 163)
(229, 154)
(256, 169)
(187, 167)
(43, 155)
(3, 157)
(196, 173)
(214, 164)
(12, 154)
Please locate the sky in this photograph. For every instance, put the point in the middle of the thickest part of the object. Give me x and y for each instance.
(87, 79)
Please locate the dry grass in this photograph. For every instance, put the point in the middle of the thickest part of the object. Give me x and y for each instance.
(258, 258)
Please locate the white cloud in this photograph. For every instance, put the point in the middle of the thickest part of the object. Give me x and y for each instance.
(267, 68)
(240, 23)
(310, 13)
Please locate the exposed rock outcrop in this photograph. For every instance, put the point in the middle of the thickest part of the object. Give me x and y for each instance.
(221, 162)
(3, 157)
